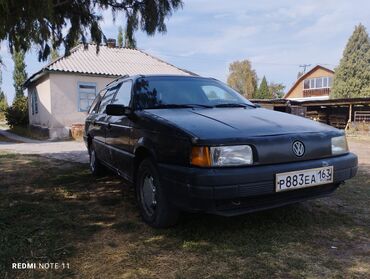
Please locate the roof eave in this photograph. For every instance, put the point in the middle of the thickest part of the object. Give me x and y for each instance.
(34, 77)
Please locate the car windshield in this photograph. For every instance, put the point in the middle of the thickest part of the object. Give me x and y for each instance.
(185, 92)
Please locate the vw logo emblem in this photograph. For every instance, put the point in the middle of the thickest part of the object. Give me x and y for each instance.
(298, 148)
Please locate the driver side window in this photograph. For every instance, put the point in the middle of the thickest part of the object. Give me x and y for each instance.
(123, 96)
(107, 99)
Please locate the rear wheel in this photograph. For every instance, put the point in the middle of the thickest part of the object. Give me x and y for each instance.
(96, 167)
(155, 208)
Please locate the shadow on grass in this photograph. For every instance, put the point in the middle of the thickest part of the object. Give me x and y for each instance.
(55, 211)
(47, 206)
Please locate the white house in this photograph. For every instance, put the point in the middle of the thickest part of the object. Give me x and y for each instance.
(61, 93)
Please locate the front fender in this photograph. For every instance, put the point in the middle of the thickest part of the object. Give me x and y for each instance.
(148, 144)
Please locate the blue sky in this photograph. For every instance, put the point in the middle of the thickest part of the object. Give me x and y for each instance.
(207, 35)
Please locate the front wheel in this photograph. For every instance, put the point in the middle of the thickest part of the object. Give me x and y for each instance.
(155, 208)
(96, 167)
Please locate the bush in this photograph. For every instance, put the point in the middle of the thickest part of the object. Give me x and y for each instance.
(17, 114)
(3, 106)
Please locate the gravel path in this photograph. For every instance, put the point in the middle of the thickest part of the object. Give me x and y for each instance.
(62, 150)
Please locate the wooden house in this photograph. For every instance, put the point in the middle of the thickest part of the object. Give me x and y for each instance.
(315, 83)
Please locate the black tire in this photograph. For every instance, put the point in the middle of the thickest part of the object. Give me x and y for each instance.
(155, 208)
(96, 167)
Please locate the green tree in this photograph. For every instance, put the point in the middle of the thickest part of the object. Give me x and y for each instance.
(24, 23)
(263, 91)
(242, 78)
(130, 41)
(19, 72)
(3, 100)
(54, 54)
(120, 37)
(17, 113)
(276, 90)
(352, 76)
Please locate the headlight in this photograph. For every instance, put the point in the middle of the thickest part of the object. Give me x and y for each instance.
(235, 155)
(339, 145)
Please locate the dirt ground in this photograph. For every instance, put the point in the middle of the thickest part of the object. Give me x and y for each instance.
(361, 147)
(72, 151)
(55, 211)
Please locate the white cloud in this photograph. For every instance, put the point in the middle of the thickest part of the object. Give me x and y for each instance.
(279, 33)
(277, 36)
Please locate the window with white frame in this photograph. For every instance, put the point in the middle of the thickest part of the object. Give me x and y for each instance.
(318, 83)
(34, 102)
(86, 95)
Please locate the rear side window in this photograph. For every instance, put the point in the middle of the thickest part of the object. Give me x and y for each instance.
(107, 98)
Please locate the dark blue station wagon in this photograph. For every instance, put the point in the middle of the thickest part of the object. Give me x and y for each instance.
(194, 144)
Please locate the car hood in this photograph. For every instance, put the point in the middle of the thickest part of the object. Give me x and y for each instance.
(237, 123)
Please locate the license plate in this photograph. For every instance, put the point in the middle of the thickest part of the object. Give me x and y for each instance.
(303, 178)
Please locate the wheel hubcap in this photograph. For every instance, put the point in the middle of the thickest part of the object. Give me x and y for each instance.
(149, 194)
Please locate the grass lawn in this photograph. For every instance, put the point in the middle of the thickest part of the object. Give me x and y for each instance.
(55, 211)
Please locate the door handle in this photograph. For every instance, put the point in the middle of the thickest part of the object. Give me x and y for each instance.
(109, 126)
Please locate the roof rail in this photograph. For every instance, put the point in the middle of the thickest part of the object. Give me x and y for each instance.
(121, 77)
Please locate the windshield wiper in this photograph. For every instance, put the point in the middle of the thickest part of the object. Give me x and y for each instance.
(200, 105)
(233, 105)
(179, 106)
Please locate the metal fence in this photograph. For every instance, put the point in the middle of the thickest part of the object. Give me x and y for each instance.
(362, 116)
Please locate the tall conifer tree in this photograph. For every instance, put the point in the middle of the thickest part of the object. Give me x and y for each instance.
(352, 76)
(263, 91)
(120, 37)
(19, 72)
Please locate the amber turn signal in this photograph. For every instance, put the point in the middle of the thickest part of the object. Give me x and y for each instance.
(200, 156)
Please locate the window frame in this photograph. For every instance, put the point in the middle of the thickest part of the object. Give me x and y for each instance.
(79, 93)
(314, 82)
(34, 102)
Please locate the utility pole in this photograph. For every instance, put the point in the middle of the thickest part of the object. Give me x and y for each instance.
(304, 66)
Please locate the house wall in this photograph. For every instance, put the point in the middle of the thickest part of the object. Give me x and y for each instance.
(64, 101)
(298, 90)
(43, 117)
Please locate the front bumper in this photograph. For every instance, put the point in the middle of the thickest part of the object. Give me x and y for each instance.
(238, 190)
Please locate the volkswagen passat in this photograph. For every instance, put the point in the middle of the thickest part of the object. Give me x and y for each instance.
(194, 144)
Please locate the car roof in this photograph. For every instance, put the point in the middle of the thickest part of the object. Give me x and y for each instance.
(135, 77)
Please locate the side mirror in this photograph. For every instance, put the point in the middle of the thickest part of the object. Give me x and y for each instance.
(117, 110)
